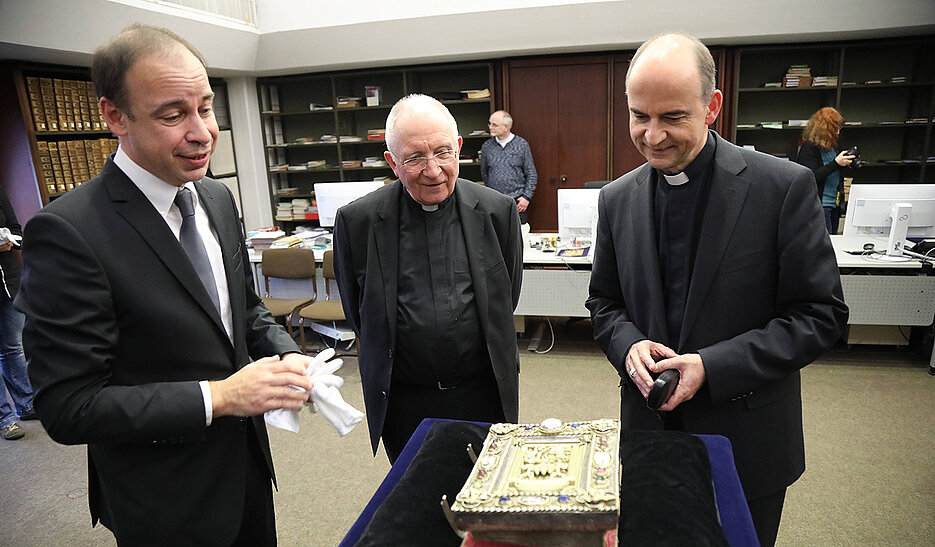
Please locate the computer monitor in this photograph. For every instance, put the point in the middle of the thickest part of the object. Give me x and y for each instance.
(577, 214)
(896, 211)
(332, 195)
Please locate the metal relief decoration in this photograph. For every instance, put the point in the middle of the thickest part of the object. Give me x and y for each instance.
(542, 469)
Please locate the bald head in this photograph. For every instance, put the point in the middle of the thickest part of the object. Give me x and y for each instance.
(670, 106)
(418, 106)
(676, 48)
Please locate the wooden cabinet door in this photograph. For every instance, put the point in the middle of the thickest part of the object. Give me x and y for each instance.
(561, 106)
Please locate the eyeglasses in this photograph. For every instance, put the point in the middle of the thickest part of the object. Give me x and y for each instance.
(416, 165)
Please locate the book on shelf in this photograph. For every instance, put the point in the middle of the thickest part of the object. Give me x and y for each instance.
(372, 93)
(47, 91)
(797, 123)
(770, 125)
(316, 164)
(772, 84)
(350, 164)
(476, 93)
(59, 93)
(35, 103)
(376, 134)
(479, 133)
(348, 102)
(317, 107)
(350, 138)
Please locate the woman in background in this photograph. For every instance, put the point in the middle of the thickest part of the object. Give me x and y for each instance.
(12, 359)
(818, 154)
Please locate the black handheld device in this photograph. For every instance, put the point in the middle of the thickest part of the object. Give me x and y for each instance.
(662, 388)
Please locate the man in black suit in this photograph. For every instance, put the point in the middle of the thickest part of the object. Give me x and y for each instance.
(429, 268)
(711, 260)
(139, 348)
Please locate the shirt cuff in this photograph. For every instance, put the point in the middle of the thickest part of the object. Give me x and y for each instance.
(209, 408)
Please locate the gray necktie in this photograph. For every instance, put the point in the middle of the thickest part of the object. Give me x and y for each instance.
(194, 247)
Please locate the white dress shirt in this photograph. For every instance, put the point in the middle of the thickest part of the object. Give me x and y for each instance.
(162, 196)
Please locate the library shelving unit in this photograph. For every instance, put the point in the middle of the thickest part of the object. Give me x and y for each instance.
(65, 134)
(885, 89)
(322, 128)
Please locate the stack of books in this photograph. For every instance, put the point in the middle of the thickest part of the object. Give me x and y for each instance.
(475, 93)
(350, 138)
(898, 80)
(825, 81)
(374, 161)
(314, 107)
(350, 164)
(376, 134)
(316, 164)
(349, 102)
(798, 76)
(283, 211)
(300, 209)
(263, 238)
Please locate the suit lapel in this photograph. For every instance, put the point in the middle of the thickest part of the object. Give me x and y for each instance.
(645, 267)
(472, 229)
(131, 204)
(725, 201)
(386, 237)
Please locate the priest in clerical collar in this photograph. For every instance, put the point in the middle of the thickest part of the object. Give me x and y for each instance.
(429, 269)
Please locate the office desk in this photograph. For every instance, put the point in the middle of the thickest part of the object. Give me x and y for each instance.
(729, 498)
(554, 285)
(879, 292)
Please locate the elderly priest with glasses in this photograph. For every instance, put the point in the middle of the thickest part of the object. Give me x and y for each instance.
(429, 268)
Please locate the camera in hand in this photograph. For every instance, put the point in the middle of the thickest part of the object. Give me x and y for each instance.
(857, 163)
(662, 388)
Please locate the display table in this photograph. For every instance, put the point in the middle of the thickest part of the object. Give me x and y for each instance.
(731, 504)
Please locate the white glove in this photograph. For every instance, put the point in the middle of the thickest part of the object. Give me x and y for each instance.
(325, 398)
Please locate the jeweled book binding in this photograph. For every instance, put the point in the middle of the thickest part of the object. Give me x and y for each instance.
(553, 483)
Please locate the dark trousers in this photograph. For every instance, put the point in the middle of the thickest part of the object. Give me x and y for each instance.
(522, 216)
(767, 512)
(258, 524)
(476, 399)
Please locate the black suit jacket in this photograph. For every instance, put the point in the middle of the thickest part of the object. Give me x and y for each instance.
(366, 254)
(118, 332)
(765, 300)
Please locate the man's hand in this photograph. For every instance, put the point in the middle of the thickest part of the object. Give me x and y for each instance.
(640, 357)
(521, 204)
(263, 385)
(6, 246)
(692, 377)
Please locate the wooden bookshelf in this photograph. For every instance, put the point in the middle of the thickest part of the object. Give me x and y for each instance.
(295, 134)
(885, 89)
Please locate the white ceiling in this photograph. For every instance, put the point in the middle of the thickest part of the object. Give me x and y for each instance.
(303, 36)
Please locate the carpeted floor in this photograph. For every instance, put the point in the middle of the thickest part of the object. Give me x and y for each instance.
(869, 424)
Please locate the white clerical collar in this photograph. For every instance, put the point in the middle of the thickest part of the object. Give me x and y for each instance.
(159, 192)
(677, 179)
(429, 208)
(504, 142)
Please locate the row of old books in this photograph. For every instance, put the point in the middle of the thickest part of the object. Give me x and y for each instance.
(67, 164)
(64, 105)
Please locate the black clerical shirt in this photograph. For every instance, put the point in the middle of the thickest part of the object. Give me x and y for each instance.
(679, 211)
(438, 336)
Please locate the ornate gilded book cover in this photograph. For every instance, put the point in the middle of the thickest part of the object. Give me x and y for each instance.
(552, 483)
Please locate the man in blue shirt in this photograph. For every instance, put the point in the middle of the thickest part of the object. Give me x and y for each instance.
(506, 162)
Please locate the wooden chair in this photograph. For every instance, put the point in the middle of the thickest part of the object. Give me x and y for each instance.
(292, 263)
(327, 310)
